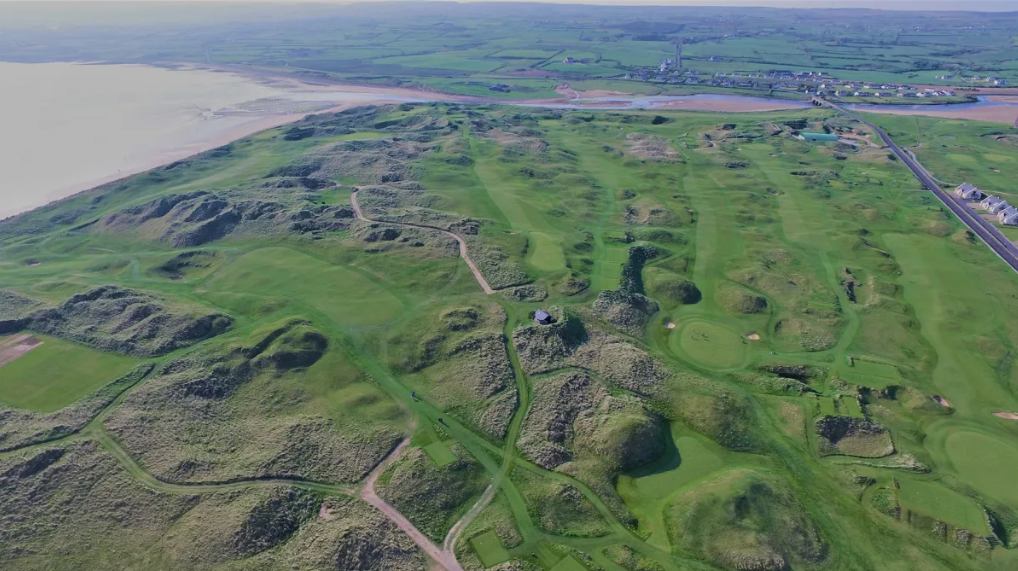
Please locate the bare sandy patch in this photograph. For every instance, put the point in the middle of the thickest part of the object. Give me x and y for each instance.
(990, 113)
(670, 325)
(16, 346)
(650, 147)
(726, 105)
(1007, 415)
(753, 336)
(942, 401)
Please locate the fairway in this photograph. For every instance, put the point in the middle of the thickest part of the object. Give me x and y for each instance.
(439, 453)
(709, 345)
(341, 294)
(986, 463)
(57, 373)
(943, 504)
(489, 549)
(546, 252)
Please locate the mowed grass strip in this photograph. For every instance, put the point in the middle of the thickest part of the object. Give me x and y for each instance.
(439, 453)
(489, 549)
(340, 293)
(57, 373)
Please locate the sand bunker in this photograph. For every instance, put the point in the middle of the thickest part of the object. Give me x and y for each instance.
(1007, 415)
(670, 325)
(941, 401)
(753, 336)
(16, 346)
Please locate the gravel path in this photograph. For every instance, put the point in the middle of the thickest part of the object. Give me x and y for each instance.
(444, 558)
(463, 245)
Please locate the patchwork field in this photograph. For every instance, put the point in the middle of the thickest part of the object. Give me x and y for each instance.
(760, 352)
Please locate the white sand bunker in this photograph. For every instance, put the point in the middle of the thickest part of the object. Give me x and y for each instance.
(1007, 415)
(753, 336)
(942, 401)
(669, 325)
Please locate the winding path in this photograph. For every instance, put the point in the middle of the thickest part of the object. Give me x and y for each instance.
(463, 245)
(443, 557)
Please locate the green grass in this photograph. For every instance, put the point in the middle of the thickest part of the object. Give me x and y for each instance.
(342, 294)
(440, 454)
(943, 504)
(57, 373)
(709, 345)
(827, 407)
(568, 563)
(871, 374)
(986, 462)
(489, 549)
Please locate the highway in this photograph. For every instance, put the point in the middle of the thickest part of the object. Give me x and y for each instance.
(987, 232)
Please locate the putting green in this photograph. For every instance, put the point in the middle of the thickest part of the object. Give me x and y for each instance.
(489, 549)
(986, 463)
(709, 345)
(871, 374)
(440, 454)
(341, 294)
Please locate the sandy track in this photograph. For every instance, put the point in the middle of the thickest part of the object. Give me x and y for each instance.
(444, 558)
(16, 347)
(463, 245)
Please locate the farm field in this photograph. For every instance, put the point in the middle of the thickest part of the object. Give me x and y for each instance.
(759, 350)
(533, 48)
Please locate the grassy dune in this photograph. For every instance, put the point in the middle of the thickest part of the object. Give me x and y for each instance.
(818, 299)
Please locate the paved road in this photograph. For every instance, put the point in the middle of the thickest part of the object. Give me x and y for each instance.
(463, 245)
(986, 231)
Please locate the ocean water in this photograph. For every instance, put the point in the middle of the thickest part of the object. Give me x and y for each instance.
(67, 127)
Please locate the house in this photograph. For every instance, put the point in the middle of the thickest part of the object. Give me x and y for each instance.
(968, 192)
(542, 317)
(817, 137)
(994, 204)
(1009, 212)
(1010, 219)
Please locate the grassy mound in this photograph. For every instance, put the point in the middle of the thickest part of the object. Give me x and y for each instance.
(739, 300)
(853, 437)
(456, 356)
(745, 520)
(720, 414)
(558, 507)
(629, 312)
(432, 497)
(122, 320)
(206, 416)
(189, 265)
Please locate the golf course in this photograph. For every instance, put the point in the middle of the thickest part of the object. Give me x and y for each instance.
(316, 348)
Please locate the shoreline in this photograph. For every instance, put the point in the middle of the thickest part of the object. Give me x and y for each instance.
(377, 95)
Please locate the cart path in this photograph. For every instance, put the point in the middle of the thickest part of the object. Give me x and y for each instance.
(463, 245)
(449, 546)
(445, 559)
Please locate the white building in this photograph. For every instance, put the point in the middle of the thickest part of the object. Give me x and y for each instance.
(993, 204)
(1008, 216)
(968, 192)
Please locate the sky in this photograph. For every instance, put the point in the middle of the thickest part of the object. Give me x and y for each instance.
(969, 5)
